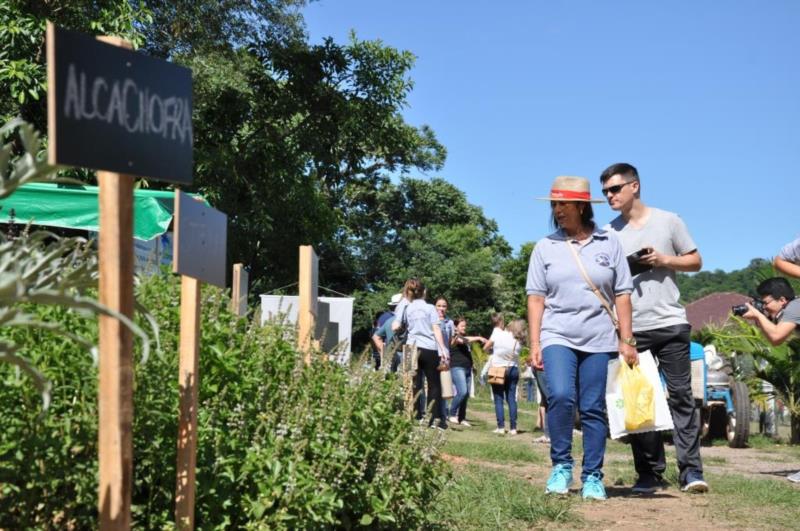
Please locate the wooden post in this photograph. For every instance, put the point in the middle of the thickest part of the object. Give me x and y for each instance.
(188, 380)
(239, 290)
(115, 394)
(307, 307)
(199, 245)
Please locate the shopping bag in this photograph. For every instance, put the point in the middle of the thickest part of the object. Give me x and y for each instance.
(446, 380)
(637, 397)
(615, 402)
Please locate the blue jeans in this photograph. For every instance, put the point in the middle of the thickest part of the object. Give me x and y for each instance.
(575, 377)
(462, 377)
(530, 385)
(508, 392)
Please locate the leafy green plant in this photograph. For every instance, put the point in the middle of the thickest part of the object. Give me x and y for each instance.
(40, 267)
(778, 365)
(280, 445)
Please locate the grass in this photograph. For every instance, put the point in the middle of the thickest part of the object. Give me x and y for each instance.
(744, 500)
(499, 482)
(481, 498)
(490, 450)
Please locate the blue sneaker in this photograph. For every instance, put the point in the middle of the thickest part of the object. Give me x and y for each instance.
(593, 488)
(560, 480)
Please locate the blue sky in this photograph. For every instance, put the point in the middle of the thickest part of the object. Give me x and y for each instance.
(702, 97)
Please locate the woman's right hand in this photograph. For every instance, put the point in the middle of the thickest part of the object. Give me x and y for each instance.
(536, 360)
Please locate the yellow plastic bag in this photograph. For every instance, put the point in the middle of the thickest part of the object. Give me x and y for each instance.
(637, 394)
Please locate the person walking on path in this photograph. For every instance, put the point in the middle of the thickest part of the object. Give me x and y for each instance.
(424, 333)
(664, 247)
(448, 331)
(461, 366)
(383, 338)
(505, 346)
(572, 331)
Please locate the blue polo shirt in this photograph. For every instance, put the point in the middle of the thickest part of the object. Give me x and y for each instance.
(573, 315)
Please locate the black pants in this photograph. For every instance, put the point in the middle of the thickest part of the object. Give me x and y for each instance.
(427, 364)
(670, 348)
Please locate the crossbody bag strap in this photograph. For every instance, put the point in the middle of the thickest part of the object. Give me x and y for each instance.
(594, 289)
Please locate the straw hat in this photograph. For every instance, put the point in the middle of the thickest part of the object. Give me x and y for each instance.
(395, 300)
(570, 189)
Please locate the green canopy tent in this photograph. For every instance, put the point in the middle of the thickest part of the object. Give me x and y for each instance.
(76, 207)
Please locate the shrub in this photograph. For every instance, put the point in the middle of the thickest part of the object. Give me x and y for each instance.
(279, 445)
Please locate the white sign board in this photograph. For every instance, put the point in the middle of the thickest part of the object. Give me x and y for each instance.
(339, 329)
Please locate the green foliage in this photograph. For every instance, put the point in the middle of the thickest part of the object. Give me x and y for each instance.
(778, 365)
(513, 275)
(23, 82)
(280, 446)
(39, 267)
(697, 285)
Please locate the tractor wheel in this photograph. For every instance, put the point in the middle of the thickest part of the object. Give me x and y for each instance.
(738, 428)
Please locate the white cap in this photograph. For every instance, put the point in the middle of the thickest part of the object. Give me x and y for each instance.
(396, 298)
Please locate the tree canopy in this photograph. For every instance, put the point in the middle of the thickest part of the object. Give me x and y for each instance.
(298, 142)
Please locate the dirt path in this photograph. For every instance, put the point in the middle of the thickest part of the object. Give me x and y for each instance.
(669, 509)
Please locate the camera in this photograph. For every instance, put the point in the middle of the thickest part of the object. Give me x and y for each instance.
(741, 309)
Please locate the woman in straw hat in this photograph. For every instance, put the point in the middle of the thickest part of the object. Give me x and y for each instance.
(575, 276)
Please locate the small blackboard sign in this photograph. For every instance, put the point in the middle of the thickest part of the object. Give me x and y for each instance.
(200, 240)
(113, 109)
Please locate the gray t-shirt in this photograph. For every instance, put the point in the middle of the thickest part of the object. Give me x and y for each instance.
(791, 252)
(791, 314)
(655, 292)
(573, 315)
(420, 317)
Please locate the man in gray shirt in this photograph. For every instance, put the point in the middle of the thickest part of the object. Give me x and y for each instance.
(663, 246)
(788, 259)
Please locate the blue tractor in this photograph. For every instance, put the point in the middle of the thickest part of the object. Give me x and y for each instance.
(724, 402)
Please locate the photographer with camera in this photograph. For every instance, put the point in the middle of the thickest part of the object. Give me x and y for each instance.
(777, 313)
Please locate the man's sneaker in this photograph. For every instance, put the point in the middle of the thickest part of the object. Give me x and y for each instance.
(647, 485)
(499, 431)
(454, 420)
(794, 478)
(512, 432)
(560, 480)
(695, 484)
(593, 488)
(465, 424)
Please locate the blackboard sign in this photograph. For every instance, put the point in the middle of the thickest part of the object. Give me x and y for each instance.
(112, 109)
(200, 240)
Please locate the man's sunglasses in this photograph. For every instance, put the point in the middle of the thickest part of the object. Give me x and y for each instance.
(614, 189)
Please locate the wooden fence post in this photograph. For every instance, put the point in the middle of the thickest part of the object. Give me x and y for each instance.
(307, 307)
(239, 290)
(188, 383)
(115, 364)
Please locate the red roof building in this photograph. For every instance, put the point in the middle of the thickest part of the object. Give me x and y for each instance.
(714, 309)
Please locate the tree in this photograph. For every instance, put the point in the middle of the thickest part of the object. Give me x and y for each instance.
(23, 79)
(512, 279)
